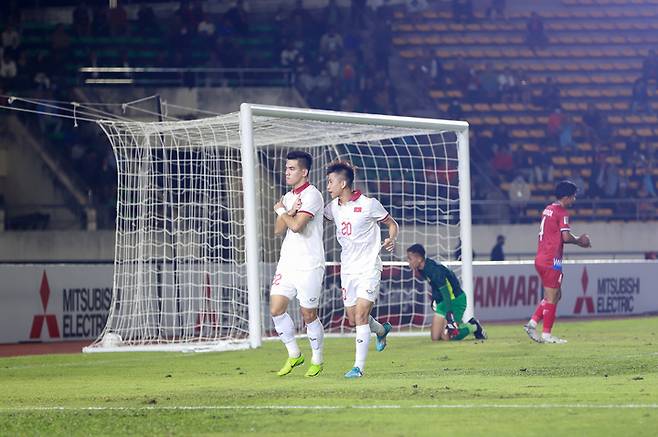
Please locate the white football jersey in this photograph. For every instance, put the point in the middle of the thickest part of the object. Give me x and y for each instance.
(304, 250)
(358, 232)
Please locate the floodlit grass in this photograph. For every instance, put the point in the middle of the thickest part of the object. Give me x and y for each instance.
(603, 382)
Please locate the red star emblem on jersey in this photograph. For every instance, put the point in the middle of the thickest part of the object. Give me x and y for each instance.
(357, 209)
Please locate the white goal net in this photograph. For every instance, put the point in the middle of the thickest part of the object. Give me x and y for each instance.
(195, 247)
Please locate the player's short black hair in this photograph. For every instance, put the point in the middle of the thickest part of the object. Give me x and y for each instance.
(344, 169)
(417, 248)
(565, 189)
(304, 159)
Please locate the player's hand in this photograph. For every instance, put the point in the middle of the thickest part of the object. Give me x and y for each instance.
(296, 206)
(389, 245)
(584, 241)
(452, 327)
(450, 318)
(279, 204)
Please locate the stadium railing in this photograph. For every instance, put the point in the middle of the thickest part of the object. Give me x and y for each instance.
(199, 77)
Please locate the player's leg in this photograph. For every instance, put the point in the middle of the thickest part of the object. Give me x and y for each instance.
(310, 287)
(538, 315)
(280, 294)
(381, 330)
(438, 328)
(361, 313)
(458, 309)
(552, 294)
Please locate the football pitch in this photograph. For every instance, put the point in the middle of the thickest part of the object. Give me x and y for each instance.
(603, 382)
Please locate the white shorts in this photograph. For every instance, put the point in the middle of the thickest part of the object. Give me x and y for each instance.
(365, 286)
(306, 285)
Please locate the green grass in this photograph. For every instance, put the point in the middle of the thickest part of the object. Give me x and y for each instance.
(585, 387)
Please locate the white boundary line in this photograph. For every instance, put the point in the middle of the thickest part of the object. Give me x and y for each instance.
(329, 407)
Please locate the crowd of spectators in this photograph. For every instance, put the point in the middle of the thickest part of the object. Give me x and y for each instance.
(339, 58)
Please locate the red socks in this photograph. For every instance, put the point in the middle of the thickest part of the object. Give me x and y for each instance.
(549, 316)
(539, 312)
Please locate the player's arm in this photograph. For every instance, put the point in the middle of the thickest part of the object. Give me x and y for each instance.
(582, 241)
(393, 229)
(290, 219)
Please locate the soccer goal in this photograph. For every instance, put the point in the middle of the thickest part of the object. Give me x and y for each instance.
(195, 247)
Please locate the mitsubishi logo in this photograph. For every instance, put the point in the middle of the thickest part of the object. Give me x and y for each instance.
(51, 320)
(588, 301)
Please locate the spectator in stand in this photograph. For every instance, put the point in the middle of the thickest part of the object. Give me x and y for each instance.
(543, 168)
(455, 111)
(646, 209)
(525, 91)
(82, 20)
(535, 36)
(497, 253)
(462, 10)
(117, 18)
(611, 182)
(497, 8)
(42, 71)
(289, 55)
(237, 16)
(332, 15)
(595, 124)
(99, 24)
(461, 74)
(437, 71)
(519, 195)
(502, 161)
(550, 95)
(299, 17)
(331, 42)
(500, 134)
(640, 99)
(508, 87)
(8, 70)
(651, 255)
(559, 129)
(488, 80)
(11, 39)
(650, 66)
(414, 6)
(147, 23)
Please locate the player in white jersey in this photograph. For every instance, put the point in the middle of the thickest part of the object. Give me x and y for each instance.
(357, 218)
(300, 270)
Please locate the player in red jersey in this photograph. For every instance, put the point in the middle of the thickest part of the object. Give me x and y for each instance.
(554, 232)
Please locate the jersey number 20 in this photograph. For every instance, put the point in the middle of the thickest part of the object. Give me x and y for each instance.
(346, 228)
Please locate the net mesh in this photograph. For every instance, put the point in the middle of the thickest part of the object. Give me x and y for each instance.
(180, 274)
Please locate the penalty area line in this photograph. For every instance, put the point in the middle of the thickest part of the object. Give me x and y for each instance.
(28, 409)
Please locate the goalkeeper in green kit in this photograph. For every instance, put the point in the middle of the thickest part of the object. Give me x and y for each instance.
(449, 300)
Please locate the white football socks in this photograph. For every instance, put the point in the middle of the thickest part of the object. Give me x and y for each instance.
(285, 327)
(375, 326)
(315, 333)
(362, 342)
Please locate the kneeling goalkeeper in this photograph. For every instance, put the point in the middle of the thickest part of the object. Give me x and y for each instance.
(449, 300)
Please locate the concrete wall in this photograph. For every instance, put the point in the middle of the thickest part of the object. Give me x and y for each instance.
(609, 240)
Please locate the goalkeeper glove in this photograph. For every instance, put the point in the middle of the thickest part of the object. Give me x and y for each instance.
(453, 328)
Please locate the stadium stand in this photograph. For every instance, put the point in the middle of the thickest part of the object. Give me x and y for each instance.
(594, 64)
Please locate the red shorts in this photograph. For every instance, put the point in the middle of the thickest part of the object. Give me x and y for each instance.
(550, 277)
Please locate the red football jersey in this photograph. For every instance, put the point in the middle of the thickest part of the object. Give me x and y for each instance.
(554, 220)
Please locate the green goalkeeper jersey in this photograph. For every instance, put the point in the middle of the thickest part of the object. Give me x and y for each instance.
(444, 283)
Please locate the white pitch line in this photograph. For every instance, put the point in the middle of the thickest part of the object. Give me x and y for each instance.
(330, 407)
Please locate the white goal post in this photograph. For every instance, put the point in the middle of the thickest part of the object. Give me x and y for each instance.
(195, 249)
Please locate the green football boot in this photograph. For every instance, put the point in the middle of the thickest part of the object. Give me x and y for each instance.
(290, 364)
(313, 370)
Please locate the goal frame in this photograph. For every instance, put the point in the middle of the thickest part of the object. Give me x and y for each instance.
(250, 195)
